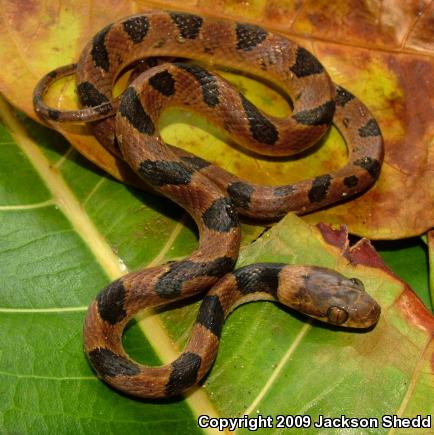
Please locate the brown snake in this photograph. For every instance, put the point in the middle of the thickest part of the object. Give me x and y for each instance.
(213, 197)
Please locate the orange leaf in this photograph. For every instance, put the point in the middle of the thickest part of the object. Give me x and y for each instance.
(381, 53)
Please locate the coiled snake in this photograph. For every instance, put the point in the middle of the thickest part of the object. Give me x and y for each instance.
(213, 197)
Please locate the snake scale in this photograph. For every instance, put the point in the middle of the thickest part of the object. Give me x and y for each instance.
(213, 197)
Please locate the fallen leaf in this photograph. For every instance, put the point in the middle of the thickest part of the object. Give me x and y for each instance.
(380, 52)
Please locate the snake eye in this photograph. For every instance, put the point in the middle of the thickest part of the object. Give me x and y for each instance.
(337, 315)
(357, 282)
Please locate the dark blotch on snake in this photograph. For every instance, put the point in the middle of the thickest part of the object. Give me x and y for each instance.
(170, 283)
(240, 194)
(163, 82)
(220, 266)
(260, 127)
(320, 186)
(132, 109)
(184, 373)
(53, 114)
(343, 96)
(371, 128)
(107, 363)
(111, 302)
(151, 62)
(283, 190)
(221, 216)
(211, 315)
(320, 115)
(371, 165)
(89, 95)
(136, 28)
(351, 181)
(207, 81)
(53, 74)
(195, 162)
(188, 24)
(260, 277)
(306, 64)
(99, 51)
(249, 36)
(160, 173)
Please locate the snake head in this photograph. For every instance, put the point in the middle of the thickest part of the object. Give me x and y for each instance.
(330, 297)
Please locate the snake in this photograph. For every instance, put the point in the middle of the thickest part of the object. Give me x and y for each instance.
(176, 53)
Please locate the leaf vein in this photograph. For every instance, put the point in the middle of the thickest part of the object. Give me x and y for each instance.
(306, 327)
(47, 203)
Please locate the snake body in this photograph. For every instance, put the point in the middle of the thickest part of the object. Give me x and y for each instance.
(213, 197)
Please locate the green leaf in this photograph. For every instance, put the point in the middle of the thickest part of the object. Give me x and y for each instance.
(408, 258)
(66, 230)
